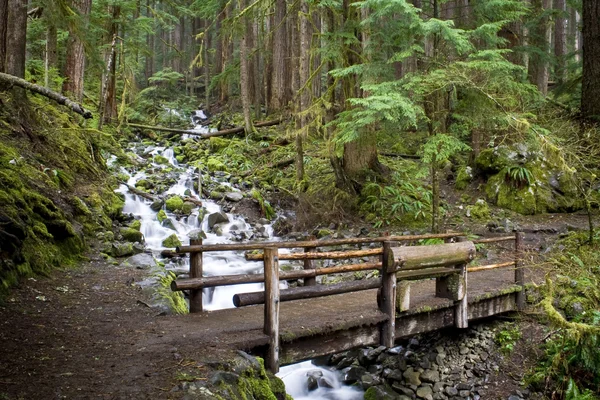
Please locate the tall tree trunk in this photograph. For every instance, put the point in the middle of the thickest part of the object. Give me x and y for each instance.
(75, 62)
(560, 40)
(540, 37)
(51, 52)
(279, 75)
(149, 67)
(108, 103)
(245, 70)
(293, 56)
(256, 65)
(574, 32)
(16, 39)
(3, 33)
(218, 58)
(305, 88)
(590, 93)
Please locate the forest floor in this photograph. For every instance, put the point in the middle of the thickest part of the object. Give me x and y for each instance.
(83, 332)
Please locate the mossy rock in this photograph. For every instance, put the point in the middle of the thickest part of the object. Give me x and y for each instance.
(160, 159)
(174, 203)
(218, 144)
(171, 242)
(122, 249)
(214, 164)
(480, 211)
(187, 207)
(132, 235)
(464, 176)
(136, 224)
(144, 184)
(161, 216)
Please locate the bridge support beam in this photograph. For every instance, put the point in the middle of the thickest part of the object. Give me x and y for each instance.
(196, 272)
(271, 319)
(388, 297)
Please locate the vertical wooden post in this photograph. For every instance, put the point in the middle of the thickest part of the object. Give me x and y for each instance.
(461, 307)
(403, 296)
(271, 322)
(388, 296)
(310, 264)
(195, 272)
(519, 272)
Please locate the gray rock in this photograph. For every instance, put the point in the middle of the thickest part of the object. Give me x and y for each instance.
(234, 196)
(464, 393)
(577, 308)
(392, 374)
(438, 387)
(352, 374)
(464, 386)
(412, 376)
(430, 376)
(381, 393)
(168, 223)
(140, 261)
(425, 392)
(122, 249)
(451, 391)
(514, 397)
(312, 379)
(197, 234)
(464, 350)
(157, 205)
(217, 218)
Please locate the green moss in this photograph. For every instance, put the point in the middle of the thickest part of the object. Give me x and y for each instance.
(160, 159)
(187, 207)
(144, 184)
(174, 203)
(218, 144)
(175, 300)
(214, 164)
(161, 216)
(132, 235)
(463, 177)
(480, 211)
(136, 224)
(171, 241)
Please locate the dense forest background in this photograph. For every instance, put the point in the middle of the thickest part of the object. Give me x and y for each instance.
(384, 107)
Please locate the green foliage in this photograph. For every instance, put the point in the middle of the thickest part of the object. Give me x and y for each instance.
(506, 337)
(386, 204)
(265, 207)
(572, 306)
(175, 300)
(517, 175)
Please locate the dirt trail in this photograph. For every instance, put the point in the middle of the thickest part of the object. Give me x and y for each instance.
(87, 333)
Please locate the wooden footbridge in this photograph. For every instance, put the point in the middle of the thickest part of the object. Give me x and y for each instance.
(419, 288)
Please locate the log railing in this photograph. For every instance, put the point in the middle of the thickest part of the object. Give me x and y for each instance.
(398, 266)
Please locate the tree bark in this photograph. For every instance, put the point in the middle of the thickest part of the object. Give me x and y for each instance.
(590, 93)
(108, 104)
(279, 75)
(245, 70)
(560, 40)
(75, 61)
(16, 38)
(305, 87)
(539, 37)
(3, 33)
(10, 80)
(573, 38)
(51, 52)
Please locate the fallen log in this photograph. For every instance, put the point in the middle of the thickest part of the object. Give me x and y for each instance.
(139, 192)
(208, 134)
(241, 128)
(52, 95)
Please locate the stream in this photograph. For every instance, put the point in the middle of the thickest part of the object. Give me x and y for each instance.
(303, 380)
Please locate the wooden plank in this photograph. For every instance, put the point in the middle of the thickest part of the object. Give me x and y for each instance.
(403, 296)
(388, 298)
(307, 292)
(308, 265)
(416, 274)
(494, 239)
(519, 271)
(226, 280)
(310, 243)
(271, 309)
(491, 266)
(326, 255)
(420, 257)
(196, 272)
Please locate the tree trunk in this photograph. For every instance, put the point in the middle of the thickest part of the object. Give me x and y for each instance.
(245, 69)
(560, 40)
(149, 61)
(305, 88)
(540, 37)
(51, 52)
(279, 75)
(75, 62)
(108, 103)
(573, 38)
(16, 39)
(590, 93)
(3, 33)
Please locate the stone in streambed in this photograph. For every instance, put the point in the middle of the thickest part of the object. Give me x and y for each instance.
(132, 235)
(122, 249)
(425, 392)
(380, 393)
(234, 196)
(412, 376)
(168, 223)
(174, 203)
(216, 218)
(430, 376)
(171, 241)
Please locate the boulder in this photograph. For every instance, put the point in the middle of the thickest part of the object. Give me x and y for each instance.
(412, 376)
(380, 393)
(132, 235)
(171, 241)
(140, 261)
(234, 196)
(217, 218)
(121, 249)
(174, 203)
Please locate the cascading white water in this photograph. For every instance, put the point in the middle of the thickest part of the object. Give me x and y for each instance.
(221, 263)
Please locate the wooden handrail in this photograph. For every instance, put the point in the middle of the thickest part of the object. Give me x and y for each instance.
(328, 255)
(310, 243)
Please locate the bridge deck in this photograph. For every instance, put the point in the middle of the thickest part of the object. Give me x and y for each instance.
(325, 317)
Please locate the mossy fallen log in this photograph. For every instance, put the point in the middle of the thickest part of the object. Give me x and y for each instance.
(223, 132)
(11, 80)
